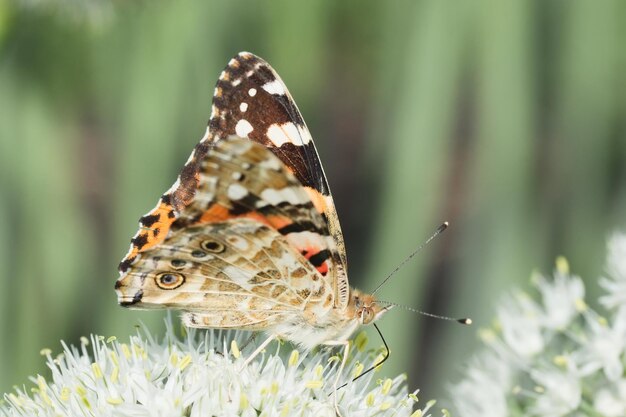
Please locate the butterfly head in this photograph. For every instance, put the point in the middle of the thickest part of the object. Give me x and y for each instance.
(365, 307)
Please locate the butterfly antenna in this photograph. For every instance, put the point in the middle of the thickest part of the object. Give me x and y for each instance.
(380, 362)
(439, 230)
(465, 320)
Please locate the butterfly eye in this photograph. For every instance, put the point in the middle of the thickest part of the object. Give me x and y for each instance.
(213, 246)
(169, 280)
(178, 263)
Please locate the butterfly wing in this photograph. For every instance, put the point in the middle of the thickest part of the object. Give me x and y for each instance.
(239, 273)
(251, 101)
(236, 270)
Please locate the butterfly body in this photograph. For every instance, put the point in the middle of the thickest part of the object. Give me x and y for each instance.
(248, 236)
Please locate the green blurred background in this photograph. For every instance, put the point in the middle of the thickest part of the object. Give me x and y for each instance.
(505, 118)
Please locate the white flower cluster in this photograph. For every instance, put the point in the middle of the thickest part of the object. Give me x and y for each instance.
(203, 374)
(556, 357)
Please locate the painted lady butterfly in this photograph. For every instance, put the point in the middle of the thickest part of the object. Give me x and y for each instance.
(248, 236)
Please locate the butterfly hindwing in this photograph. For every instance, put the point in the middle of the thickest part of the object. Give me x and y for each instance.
(237, 273)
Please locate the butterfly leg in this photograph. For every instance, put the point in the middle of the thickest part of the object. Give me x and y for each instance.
(344, 360)
(251, 339)
(257, 351)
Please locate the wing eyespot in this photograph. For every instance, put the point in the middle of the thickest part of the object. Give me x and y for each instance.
(178, 263)
(169, 280)
(198, 253)
(213, 246)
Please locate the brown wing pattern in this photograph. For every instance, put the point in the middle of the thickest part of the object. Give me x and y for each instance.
(251, 101)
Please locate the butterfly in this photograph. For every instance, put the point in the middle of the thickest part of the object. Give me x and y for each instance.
(248, 236)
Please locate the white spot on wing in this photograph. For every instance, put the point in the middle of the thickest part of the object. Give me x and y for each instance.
(305, 135)
(236, 82)
(239, 276)
(285, 133)
(208, 184)
(252, 92)
(308, 239)
(261, 204)
(243, 107)
(243, 128)
(236, 192)
(274, 87)
(291, 195)
(271, 163)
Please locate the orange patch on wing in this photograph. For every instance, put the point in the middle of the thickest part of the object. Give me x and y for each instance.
(319, 201)
(323, 268)
(219, 213)
(279, 221)
(215, 213)
(148, 237)
(309, 252)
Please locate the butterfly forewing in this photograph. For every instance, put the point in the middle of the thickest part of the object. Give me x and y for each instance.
(252, 101)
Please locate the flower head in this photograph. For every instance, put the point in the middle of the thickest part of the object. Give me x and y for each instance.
(201, 374)
(615, 286)
(555, 357)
